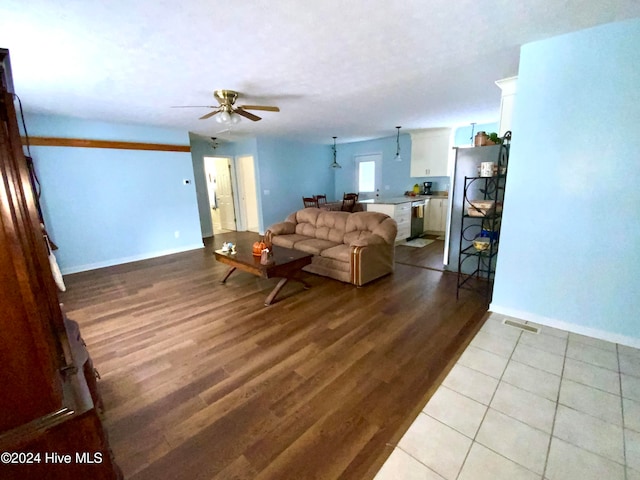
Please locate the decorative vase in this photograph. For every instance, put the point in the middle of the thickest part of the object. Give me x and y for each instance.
(258, 247)
(480, 139)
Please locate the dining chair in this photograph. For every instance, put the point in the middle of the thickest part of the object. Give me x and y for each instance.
(310, 202)
(322, 200)
(349, 201)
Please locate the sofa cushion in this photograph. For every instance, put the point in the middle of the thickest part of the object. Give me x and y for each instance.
(306, 229)
(331, 226)
(305, 220)
(361, 225)
(330, 264)
(339, 252)
(288, 241)
(356, 236)
(314, 245)
(326, 267)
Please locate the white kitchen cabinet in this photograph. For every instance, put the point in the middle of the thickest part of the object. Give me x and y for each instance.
(430, 150)
(400, 212)
(435, 219)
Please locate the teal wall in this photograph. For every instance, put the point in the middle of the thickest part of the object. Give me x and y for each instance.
(200, 148)
(289, 170)
(569, 251)
(395, 175)
(105, 206)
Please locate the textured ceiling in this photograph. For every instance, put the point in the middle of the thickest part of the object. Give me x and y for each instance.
(351, 69)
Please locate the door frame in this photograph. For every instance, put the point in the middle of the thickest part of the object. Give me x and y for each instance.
(249, 210)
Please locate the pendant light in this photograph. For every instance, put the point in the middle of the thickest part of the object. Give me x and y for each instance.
(398, 157)
(335, 164)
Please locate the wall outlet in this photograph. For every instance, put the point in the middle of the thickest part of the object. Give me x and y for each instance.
(176, 234)
(267, 192)
(387, 187)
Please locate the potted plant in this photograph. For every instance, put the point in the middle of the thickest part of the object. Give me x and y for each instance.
(493, 139)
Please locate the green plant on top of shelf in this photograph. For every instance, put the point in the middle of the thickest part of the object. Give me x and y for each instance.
(493, 137)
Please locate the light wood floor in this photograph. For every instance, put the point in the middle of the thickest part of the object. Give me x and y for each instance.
(201, 380)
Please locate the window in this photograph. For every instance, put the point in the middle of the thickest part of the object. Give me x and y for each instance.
(367, 172)
(367, 176)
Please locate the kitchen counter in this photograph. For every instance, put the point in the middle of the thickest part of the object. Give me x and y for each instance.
(388, 200)
(399, 200)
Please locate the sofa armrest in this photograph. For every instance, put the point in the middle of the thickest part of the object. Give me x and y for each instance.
(282, 228)
(370, 261)
(370, 240)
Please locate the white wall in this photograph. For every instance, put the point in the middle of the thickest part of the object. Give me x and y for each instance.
(570, 242)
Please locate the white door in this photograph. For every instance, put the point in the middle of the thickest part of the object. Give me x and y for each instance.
(224, 193)
(368, 174)
(248, 193)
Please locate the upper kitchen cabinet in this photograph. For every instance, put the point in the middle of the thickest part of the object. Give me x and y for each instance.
(430, 149)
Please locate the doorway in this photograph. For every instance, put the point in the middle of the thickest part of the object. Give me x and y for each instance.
(220, 192)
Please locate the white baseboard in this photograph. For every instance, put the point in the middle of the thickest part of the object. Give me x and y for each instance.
(570, 327)
(134, 258)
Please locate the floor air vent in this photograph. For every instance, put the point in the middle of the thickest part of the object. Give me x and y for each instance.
(521, 326)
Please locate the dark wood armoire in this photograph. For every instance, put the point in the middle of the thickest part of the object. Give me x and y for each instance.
(50, 425)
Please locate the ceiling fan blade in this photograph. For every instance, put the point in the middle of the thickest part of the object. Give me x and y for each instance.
(248, 115)
(209, 115)
(260, 107)
(195, 106)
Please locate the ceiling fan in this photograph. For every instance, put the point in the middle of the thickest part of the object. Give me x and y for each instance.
(227, 110)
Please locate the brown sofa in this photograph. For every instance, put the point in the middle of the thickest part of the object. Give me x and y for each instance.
(351, 247)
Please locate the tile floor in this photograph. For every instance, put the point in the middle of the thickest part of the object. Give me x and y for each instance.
(519, 405)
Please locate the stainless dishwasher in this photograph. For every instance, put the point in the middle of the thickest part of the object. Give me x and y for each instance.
(417, 218)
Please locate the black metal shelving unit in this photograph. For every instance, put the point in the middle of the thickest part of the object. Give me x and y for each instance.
(476, 268)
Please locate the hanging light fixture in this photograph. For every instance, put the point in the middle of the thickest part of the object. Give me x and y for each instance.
(335, 164)
(398, 157)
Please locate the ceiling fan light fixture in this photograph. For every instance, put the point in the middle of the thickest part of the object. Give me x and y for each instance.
(224, 117)
(398, 158)
(335, 164)
(227, 113)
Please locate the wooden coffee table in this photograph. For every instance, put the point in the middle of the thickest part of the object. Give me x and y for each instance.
(287, 266)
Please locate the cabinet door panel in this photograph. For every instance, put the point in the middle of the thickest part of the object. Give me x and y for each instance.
(430, 151)
(436, 216)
